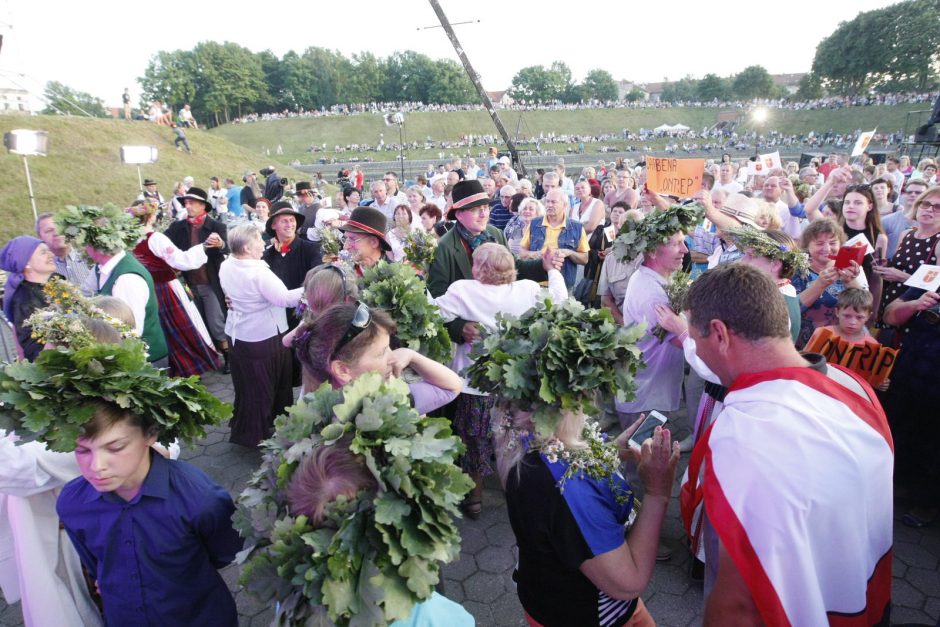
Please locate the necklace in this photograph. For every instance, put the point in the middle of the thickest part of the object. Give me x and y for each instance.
(599, 459)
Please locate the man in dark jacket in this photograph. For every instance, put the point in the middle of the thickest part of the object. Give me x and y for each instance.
(198, 229)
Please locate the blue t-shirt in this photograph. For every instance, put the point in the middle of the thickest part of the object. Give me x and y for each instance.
(558, 531)
(155, 556)
(234, 194)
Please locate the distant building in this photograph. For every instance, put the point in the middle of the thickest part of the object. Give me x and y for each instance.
(790, 82)
(500, 98)
(624, 87)
(14, 100)
(655, 91)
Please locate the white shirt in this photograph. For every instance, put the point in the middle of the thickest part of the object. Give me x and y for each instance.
(258, 299)
(732, 187)
(478, 302)
(131, 288)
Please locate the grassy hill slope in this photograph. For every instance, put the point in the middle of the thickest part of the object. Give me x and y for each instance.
(84, 165)
(297, 134)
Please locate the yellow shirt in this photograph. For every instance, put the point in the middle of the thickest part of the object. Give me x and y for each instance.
(551, 238)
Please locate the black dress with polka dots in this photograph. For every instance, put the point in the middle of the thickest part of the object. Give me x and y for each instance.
(912, 253)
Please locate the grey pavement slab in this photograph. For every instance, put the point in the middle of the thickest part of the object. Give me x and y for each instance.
(481, 579)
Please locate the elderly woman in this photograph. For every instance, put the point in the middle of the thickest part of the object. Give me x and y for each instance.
(527, 209)
(261, 365)
(819, 287)
(492, 290)
(919, 245)
(350, 339)
(431, 216)
(29, 265)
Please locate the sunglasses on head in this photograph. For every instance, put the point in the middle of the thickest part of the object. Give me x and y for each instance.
(361, 320)
(342, 275)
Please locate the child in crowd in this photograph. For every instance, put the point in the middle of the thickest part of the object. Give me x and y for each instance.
(853, 308)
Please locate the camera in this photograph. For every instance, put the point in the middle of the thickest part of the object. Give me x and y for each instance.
(932, 315)
(283, 181)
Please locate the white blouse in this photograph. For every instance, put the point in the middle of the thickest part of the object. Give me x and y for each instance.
(258, 300)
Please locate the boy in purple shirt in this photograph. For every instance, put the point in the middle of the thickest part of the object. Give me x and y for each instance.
(151, 531)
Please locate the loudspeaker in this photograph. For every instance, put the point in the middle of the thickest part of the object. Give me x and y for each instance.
(926, 134)
(806, 157)
(878, 156)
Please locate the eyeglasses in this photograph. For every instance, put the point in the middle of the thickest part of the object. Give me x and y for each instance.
(933, 206)
(355, 240)
(913, 191)
(361, 320)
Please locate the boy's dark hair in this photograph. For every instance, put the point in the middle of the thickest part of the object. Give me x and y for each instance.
(859, 300)
(744, 298)
(106, 415)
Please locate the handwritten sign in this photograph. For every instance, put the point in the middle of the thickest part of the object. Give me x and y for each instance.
(862, 143)
(870, 360)
(675, 177)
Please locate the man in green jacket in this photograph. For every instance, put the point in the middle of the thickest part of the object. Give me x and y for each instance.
(453, 259)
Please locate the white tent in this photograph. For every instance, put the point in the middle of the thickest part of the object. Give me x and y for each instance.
(680, 127)
(665, 128)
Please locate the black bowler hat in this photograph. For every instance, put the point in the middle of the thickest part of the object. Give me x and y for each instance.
(303, 186)
(195, 193)
(280, 208)
(467, 195)
(149, 182)
(369, 221)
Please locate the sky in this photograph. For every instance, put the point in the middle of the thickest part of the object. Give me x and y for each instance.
(102, 47)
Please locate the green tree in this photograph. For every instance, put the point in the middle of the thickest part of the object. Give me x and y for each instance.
(64, 100)
(230, 80)
(365, 80)
(810, 88)
(682, 90)
(450, 84)
(407, 77)
(634, 95)
(713, 87)
(753, 82)
(170, 77)
(599, 85)
(532, 84)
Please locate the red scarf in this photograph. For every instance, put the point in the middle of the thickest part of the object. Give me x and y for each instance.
(198, 220)
(283, 248)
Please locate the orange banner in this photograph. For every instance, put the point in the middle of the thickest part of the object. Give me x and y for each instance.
(870, 360)
(675, 177)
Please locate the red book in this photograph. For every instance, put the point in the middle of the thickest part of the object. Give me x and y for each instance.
(848, 254)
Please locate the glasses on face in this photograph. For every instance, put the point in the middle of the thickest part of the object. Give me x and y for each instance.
(926, 204)
(913, 191)
(361, 320)
(352, 239)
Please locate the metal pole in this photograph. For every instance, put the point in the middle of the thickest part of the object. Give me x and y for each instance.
(475, 79)
(140, 181)
(401, 149)
(29, 185)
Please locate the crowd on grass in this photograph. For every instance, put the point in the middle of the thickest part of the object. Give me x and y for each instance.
(831, 102)
(795, 309)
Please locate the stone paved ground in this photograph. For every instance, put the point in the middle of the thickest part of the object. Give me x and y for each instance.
(481, 580)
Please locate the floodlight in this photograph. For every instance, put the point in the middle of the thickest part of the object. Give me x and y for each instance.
(760, 115)
(27, 143)
(136, 155)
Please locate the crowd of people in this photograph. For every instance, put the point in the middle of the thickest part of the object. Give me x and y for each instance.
(739, 293)
(830, 102)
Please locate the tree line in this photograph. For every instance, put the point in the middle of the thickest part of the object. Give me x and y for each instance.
(893, 49)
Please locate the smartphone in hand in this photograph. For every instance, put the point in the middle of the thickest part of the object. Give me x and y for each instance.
(646, 429)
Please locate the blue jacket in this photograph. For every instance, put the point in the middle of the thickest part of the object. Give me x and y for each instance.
(569, 237)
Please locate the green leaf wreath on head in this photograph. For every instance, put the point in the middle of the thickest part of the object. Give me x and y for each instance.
(557, 358)
(765, 246)
(643, 236)
(52, 398)
(106, 228)
(397, 288)
(379, 554)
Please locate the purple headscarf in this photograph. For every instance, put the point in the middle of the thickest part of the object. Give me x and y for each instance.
(14, 256)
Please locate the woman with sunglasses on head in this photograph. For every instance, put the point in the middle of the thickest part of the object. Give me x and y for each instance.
(349, 339)
(257, 318)
(919, 245)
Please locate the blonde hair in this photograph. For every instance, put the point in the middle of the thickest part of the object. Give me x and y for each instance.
(768, 212)
(493, 264)
(116, 308)
(510, 425)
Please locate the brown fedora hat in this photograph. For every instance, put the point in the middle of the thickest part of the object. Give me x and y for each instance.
(368, 221)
